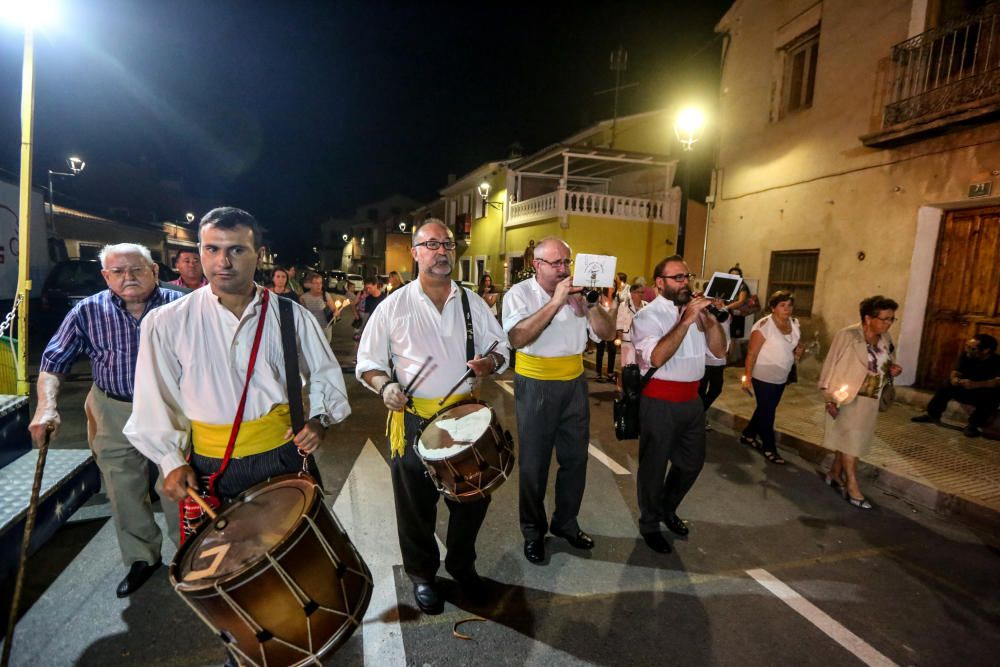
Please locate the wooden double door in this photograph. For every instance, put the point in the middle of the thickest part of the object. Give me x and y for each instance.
(964, 297)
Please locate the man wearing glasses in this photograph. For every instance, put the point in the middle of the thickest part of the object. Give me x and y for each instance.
(427, 318)
(546, 320)
(672, 334)
(105, 327)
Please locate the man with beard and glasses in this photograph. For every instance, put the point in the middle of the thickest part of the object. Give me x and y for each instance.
(672, 334)
(546, 320)
(106, 328)
(427, 318)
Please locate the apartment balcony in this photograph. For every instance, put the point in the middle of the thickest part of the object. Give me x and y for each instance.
(563, 202)
(942, 78)
(564, 181)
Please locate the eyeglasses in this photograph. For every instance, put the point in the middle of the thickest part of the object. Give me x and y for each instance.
(121, 271)
(436, 245)
(565, 263)
(681, 277)
(889, 319)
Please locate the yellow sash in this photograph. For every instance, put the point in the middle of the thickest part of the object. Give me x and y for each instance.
(425, 408)
(255, 437)
(549, 368)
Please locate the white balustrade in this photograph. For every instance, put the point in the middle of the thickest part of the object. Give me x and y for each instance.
(587, 203)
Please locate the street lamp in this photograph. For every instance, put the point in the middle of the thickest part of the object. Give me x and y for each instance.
(189, 216)
(76, 165)
(484, 192)
(687, 128)
(29, 14)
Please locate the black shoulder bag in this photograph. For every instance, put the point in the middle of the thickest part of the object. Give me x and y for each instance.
(626, 408)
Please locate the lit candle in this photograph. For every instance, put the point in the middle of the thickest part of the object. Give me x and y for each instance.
(841, 394)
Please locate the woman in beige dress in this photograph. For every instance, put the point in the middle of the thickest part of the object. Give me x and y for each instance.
(858, 366)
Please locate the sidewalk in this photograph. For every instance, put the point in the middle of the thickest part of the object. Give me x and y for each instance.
(934, 467)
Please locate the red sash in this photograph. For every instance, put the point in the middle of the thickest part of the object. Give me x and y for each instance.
(668, 390)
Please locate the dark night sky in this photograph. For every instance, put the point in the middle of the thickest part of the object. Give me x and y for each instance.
(298, 111)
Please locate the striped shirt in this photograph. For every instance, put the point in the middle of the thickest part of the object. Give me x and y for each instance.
(101, 327)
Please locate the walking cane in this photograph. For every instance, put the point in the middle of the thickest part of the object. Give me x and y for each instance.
(29, 525)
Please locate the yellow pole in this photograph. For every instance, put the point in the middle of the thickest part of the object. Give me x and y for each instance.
(24, 210)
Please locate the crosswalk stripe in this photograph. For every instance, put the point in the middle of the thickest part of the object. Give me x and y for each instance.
(607, 460)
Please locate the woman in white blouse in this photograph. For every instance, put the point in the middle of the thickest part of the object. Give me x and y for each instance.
(774, 348)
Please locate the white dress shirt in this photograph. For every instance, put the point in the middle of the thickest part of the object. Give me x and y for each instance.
(651, 324)
(192, 366)
(565, 335)
(626, 313)
(406, 328)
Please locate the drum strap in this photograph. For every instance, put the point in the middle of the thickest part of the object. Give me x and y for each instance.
(470, 337)
(293, 379)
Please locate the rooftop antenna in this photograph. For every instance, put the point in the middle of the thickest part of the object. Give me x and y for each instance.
(619, 64)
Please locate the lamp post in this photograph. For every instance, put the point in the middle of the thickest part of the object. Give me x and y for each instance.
(189, 217)
(687, 128)
(76, 165)
(29, 14)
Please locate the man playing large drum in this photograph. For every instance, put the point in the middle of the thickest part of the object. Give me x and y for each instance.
(428, 318)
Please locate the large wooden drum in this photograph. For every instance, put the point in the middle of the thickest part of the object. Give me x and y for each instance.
(275, 576)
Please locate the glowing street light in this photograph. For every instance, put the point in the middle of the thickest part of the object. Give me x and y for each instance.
(28, 13)
(189, 216)
(76, 165)
(688, 125)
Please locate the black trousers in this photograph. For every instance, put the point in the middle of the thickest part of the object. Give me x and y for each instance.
(985, 402)
(612, 351)
(711, 385)
(245, 472)
(768, 395)
(416, 500)
(551, 415)
(674, 433)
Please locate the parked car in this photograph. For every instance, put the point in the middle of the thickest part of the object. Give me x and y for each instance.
(336, 281)
(69, 282)
(355, 282)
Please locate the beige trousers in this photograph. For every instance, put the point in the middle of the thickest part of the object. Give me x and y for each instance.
(126, 480)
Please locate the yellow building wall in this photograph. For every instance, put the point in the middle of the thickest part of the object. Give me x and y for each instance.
(486, 235)
(637, 244)
(397, 255)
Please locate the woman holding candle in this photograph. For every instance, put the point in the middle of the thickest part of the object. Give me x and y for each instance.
(858, 366)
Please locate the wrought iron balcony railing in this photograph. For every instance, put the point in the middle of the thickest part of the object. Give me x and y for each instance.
(947, 67)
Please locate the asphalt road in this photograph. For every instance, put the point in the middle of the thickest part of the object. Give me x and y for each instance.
(777, 570)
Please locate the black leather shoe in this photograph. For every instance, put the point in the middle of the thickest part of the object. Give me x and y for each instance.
(925, 419)
(136, 577)
(675, 525)
(657, 542)
(534, 550)
(581, 540)
(428, 598)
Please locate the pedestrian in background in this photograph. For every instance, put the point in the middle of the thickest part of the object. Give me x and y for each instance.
(188, 266)
(608, 297)
(857, 369)
(318, 302)
(975, 381)
(279, 284)
(293, 280)
(774, 349)
(488, 292)
(626, 313)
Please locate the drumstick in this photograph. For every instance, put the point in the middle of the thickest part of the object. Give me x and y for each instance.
(413, 380)
(469, 373)
(220, 523)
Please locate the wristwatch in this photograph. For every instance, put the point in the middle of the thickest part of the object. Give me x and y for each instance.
(498, 360)
(323, 419)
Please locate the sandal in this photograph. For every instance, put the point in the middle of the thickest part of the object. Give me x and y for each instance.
(749, 442)
(860, 503)
(773, 457)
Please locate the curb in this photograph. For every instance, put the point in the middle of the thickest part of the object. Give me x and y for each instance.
(982, 520)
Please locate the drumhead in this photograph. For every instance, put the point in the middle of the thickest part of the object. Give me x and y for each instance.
(255, 524)
(454, 429)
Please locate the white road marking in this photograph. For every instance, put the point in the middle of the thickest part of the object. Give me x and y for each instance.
(365, 508)
(506, 385)
(607, 460)
(861, 649)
